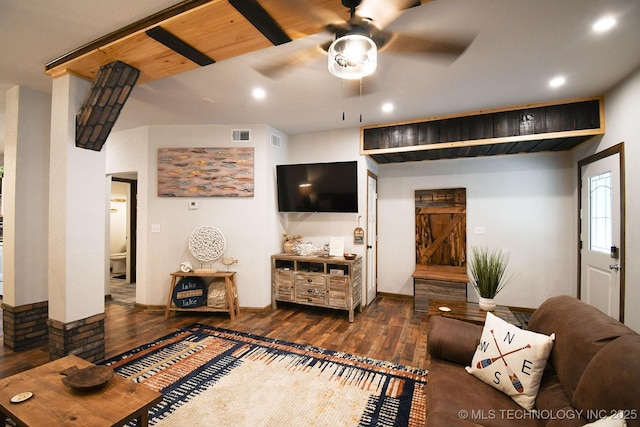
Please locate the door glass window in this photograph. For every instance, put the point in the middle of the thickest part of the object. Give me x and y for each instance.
(600, 220)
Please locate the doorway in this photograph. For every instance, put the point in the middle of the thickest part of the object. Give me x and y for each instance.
(601, 254)
(123, 236)
(372, 238)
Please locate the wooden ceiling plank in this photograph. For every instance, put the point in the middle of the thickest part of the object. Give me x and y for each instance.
(213, 27)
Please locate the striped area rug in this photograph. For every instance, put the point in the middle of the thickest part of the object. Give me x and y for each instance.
(216, 377)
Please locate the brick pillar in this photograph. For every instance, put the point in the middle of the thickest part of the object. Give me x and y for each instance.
(25, 326)
(83, 338)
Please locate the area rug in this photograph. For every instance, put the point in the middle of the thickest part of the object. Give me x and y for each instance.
(212, 376)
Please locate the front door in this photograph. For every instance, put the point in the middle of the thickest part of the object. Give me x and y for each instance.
(601, 282)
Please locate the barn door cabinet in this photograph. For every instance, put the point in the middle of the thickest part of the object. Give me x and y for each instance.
(441, 229)
(331, 282)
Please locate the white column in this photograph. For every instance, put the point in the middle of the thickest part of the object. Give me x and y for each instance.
(77, 218)
(25, 196)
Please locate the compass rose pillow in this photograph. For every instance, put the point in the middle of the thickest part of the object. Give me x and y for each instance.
(511, 359)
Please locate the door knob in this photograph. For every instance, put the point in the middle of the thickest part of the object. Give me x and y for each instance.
(615, 267)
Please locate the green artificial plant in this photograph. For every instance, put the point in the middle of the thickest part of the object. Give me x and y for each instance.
(487, 270)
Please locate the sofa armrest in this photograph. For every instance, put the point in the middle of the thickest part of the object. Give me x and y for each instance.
(452, 340)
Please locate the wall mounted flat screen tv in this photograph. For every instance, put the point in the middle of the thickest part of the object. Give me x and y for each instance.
(318, 187)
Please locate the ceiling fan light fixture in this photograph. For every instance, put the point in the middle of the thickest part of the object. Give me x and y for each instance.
(353, 56)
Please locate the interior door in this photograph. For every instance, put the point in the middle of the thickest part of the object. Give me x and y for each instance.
(601, 234)
(372, 238)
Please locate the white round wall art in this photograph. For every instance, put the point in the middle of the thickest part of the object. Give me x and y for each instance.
(207, 243)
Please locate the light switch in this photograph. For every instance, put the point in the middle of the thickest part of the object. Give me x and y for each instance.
(155, 228)
(479, 229)
(193, 204)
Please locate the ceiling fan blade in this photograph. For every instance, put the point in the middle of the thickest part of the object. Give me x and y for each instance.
(445, 48)
(276, 68)
(384, 12)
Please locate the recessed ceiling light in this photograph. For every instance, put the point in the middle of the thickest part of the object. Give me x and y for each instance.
(387, 107)
(259, 93)
(557, 81)
(604, 24)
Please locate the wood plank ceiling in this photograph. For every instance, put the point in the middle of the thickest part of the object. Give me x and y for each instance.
(215, 28)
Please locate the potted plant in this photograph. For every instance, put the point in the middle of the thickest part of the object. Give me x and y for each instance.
(487, 270)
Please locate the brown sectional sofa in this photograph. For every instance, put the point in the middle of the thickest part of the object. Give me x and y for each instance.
(593, 370)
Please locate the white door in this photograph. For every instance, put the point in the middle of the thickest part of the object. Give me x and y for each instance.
(601, 251)
(372, 238)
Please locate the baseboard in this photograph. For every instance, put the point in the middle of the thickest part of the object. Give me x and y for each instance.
(164, 307)
(390, 295)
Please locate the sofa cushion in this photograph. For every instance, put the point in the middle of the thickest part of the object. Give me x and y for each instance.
(452, 391)
(511, 359)
(611, 381)
(452, 339)
(575, 344)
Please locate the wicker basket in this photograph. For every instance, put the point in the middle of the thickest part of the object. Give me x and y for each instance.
(217, 295)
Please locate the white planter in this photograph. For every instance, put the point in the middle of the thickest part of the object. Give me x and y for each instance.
(487, 304)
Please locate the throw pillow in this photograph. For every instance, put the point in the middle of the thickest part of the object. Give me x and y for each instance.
(511, 359)
(615, 420)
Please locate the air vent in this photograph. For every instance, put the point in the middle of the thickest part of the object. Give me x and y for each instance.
(275, 141)
(240, 135)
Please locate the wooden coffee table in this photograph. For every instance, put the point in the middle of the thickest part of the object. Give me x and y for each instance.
(54, 404)
(469, 311)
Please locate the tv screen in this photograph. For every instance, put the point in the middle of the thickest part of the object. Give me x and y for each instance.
(318, 187)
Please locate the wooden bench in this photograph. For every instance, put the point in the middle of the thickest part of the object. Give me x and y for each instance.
(442, 282)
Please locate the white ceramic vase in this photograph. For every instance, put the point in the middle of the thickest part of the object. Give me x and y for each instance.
(487, 304)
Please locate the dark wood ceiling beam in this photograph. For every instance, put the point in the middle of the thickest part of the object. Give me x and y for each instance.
(261, 19)
(179, 46)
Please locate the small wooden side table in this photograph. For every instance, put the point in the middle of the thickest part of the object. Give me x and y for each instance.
(230, 288)
(469, 312)
(54, 404)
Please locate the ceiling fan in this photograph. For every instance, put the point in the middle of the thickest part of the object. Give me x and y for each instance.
(355, 43)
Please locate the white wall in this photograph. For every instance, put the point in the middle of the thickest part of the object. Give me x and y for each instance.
(524, 201)
(621, 114)
(248, 223)
(318, 228)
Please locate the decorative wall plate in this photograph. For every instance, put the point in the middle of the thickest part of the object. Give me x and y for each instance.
(207, 243)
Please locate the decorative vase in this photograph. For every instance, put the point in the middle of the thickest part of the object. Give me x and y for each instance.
(287, 247)
(487, 304)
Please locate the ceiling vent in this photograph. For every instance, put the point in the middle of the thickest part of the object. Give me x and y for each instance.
(275, 141)
(240, 135)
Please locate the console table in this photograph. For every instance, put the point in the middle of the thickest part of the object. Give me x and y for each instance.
(54, 404)
(230, 288)
(331, 282)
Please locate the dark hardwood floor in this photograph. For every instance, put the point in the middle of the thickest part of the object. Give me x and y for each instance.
(388, 329)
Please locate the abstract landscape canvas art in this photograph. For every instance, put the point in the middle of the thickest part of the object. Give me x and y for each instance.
(205, 172)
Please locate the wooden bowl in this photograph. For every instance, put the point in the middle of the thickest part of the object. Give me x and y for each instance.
(350, 256)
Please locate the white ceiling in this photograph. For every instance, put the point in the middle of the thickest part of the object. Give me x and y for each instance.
(520, 45)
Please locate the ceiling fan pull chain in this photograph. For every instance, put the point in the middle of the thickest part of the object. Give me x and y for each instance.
(360, 100)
